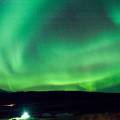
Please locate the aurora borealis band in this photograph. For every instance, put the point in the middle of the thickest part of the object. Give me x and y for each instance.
(60, 45)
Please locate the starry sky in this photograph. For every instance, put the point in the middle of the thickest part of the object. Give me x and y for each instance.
(66, 45)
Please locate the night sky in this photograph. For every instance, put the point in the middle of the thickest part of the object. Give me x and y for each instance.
(50, 45)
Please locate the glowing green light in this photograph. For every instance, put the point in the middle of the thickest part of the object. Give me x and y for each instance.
(51, 45)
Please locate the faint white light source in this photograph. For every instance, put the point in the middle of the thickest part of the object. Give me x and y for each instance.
(9, 105)
(25, 115)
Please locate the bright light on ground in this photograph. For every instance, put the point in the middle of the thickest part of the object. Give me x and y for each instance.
(25, 115)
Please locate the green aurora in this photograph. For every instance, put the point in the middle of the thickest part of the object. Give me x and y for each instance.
(50, 45)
